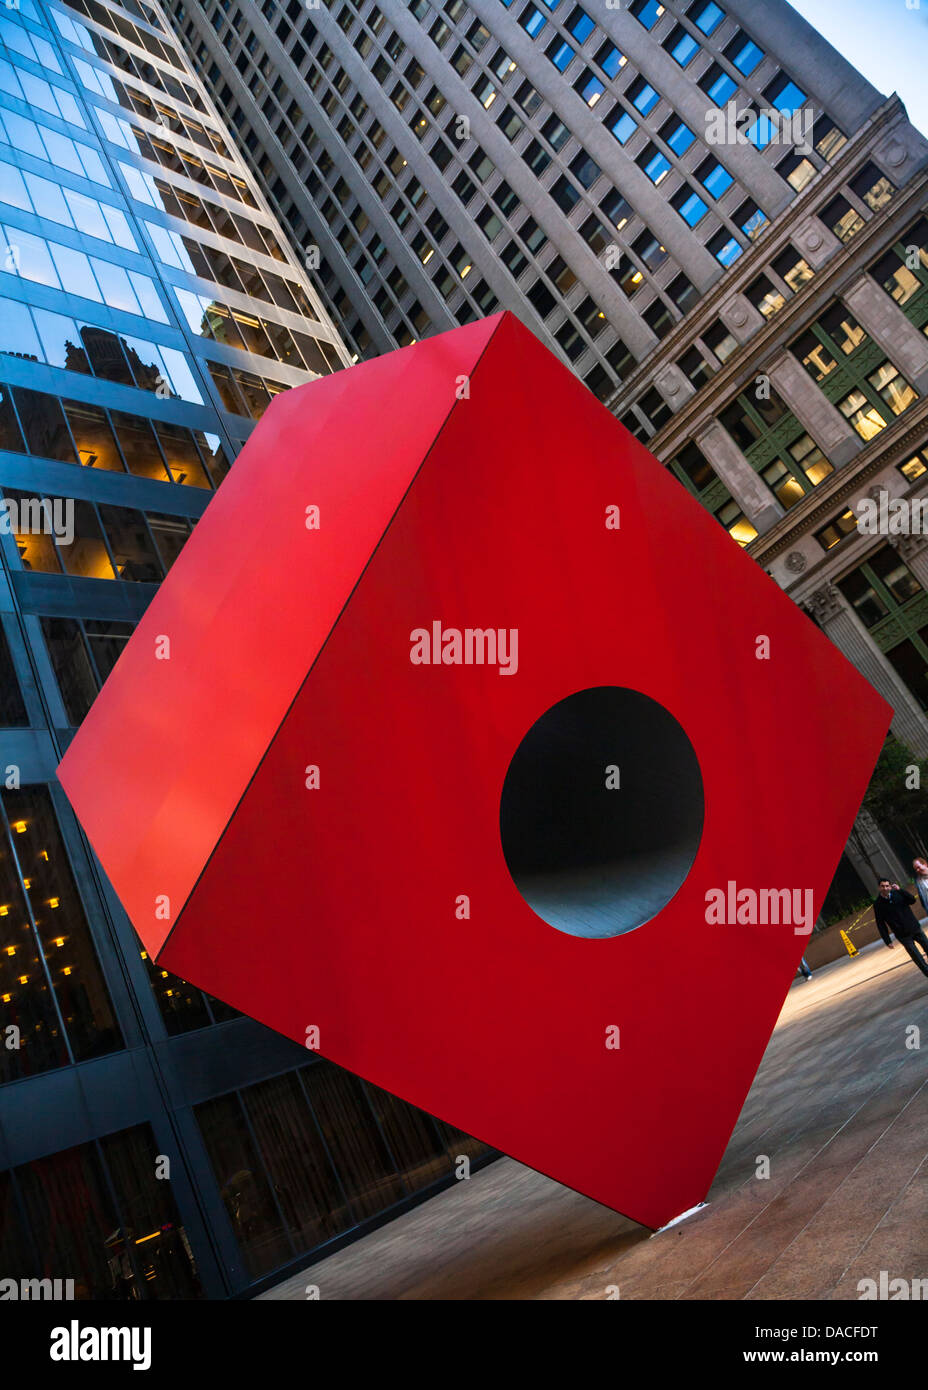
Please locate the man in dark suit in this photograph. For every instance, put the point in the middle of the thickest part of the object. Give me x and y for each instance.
(892, 910)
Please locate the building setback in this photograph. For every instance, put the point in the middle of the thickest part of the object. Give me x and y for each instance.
(153, 1142)
(703, 208)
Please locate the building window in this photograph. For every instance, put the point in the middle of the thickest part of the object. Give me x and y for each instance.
(706, 15)
(12, 707)
(792, 268)
(684, 294)
(743, 53)
(891, 604)
(877, 389)
(555, 132)
(560, 52)
(565, 194)
(695, 368)
(627, 275)
(784, 94)
(571, 341)
(681, 46)
(51, 984)
(689, 205)
(796, 169)
(610, 60)
(580, 24)
(843, 219)
(584, 169)
(624, 127)
(620, 359)
(656, 165)
(649, 249)
(872, 187)
(692, 467)
(309, 1154)
(532, 21)
(658, 318)
(647, 12)
(714, 177)
(751, 219)
(717, 85)
(643, 96)
(725, 248)
(827, 139)
(616, 209)
(719, 339)
(837, 530)
(903, 271)
(916, 466)
(775, 444)
(100, 1216)
(886, 384)
(765, 296)
(589, 87)
(83, 653)
(677, 135)
(653, 405)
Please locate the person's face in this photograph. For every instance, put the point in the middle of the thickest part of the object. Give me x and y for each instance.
(885, 888)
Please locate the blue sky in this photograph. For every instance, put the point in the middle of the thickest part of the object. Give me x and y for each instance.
(884, 39)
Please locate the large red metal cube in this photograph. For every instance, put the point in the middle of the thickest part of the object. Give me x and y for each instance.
(300, 806)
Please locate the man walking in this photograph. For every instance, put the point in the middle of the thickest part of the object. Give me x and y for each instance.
(892, 910)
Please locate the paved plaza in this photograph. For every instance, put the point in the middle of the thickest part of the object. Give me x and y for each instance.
(840, 1106)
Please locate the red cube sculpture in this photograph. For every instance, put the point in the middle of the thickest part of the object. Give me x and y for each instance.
(462, 744)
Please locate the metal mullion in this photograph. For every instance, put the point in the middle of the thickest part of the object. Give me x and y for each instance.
(897, 611)
(272, 1188)
(111, 1189)
(322, 1139)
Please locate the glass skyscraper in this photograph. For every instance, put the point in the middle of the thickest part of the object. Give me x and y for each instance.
(153, 1143)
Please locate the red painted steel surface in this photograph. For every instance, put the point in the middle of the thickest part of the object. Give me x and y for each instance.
(335, 907)
(252, 598)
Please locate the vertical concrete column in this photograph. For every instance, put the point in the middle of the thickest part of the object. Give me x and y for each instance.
(887, 325)
(871, 854)
(752, 494)
(812, 408)
(836, 619)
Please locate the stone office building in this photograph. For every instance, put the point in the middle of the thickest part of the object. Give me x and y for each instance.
(702, 207)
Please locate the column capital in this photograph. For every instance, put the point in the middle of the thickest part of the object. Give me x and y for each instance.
(909, 545)
(825, 603)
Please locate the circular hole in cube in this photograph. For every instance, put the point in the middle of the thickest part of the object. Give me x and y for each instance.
(601, 812)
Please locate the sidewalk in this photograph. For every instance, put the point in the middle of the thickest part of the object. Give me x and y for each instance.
(840, 1106)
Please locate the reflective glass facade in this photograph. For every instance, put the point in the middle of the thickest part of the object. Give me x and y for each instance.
(153, 1142)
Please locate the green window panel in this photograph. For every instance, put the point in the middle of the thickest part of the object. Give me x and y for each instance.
(853, 371)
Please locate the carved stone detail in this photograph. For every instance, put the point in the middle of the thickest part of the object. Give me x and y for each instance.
(825, 604)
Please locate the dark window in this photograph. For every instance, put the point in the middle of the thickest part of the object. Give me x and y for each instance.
(872, 187)
(12, 708)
